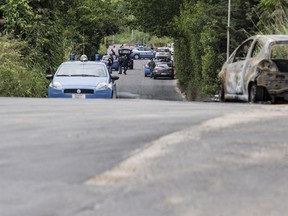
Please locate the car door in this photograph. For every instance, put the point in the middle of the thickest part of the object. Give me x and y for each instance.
(236, 68)
(141, 52)
(253, 58)
(148, 53)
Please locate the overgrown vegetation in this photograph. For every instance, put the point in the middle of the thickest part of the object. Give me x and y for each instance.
(18, 77)
(48, 32)
(38, 35)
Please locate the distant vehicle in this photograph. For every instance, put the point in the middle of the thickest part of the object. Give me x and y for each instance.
(159, 62)
(82, 79)
(163, 53)
(163, 69)
(142, 52)
(115, 65)
(257, 70)
(127, 52)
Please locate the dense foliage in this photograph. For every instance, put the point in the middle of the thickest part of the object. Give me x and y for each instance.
(16, 77)
(199, 30)
(37, 35)
(51, 31)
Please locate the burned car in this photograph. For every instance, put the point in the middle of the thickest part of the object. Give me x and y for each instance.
(256, 71)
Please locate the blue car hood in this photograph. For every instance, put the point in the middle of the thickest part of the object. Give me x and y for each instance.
(80, 81)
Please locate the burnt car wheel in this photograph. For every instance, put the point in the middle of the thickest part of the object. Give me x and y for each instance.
(252, 93)
(256, 93)
(221, 93)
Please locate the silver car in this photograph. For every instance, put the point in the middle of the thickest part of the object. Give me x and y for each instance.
(257, 70)
(163, 53)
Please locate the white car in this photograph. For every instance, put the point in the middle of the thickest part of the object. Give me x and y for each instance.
(163, 53)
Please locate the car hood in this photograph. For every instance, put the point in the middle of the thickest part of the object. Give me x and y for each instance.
(80, 81)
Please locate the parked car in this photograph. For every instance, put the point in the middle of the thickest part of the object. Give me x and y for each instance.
(82, 79)
(163, 61)
(163, 53)
(142, 52)
(163, 70)
(115, 65)
(127, 52)
(257, 70)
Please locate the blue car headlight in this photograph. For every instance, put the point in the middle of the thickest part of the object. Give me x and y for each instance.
(104, 86)
(55, 85)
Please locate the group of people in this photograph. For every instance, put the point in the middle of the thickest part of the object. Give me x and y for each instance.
(122, 60)
(123, 64)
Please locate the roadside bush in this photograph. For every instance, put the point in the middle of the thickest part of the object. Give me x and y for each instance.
(17, 77)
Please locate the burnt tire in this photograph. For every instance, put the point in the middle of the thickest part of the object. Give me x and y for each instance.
(221, 93)
(256, 93)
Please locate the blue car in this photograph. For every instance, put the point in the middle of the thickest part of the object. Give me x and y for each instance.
(115, 65)
(142, 52)
(147, 71)
(82, 79)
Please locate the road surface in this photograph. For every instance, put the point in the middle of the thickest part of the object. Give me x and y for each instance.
(127, 157)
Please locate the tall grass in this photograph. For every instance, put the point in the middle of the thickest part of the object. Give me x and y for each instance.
(273, 17)
(18, 78)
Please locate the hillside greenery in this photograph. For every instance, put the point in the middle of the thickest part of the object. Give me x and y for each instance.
(37, 35)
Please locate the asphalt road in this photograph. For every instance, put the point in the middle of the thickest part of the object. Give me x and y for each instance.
(135, 85)
(142, 157)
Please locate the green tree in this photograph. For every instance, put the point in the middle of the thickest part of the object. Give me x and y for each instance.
(204, 25)
(155, 16)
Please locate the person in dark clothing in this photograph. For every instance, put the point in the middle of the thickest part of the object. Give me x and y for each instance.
(113, 50)
(151, 65)
(120, 60)
(110, 63)
(125, 64)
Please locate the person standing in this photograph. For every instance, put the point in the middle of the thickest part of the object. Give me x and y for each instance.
(110, 63)
(120, 60)
(113, 50)
(125, 64)
(151, 65)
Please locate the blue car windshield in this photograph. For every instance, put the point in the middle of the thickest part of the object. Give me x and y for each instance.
(82, 69)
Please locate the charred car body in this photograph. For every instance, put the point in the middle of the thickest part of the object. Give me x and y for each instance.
(257, 70)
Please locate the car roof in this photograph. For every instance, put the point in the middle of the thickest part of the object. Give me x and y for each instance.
(83, 62)
(271, 38)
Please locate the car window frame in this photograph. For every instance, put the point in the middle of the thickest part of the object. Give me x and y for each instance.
(256, 49)
(241, 53)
